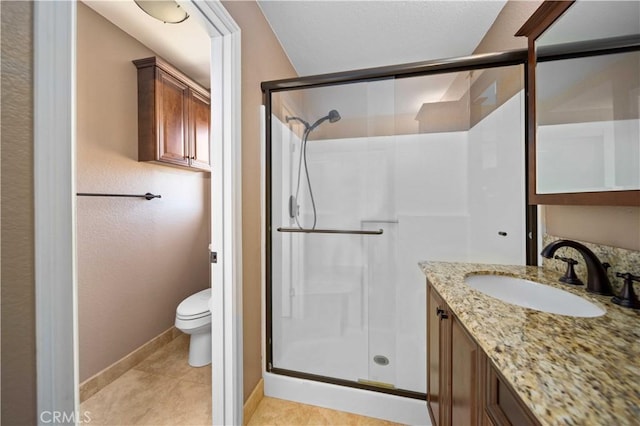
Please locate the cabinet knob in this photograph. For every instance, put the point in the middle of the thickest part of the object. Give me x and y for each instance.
(442, 314)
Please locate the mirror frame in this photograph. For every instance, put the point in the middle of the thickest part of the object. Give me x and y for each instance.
(545, 16)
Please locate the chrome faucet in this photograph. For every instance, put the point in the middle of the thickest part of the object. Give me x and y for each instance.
(597, 280)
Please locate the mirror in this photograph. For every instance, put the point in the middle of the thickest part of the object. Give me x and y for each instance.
(584, 106)
(588, 20)
(588, 133)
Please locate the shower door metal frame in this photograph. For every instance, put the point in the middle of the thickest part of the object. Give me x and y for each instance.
(419, 69)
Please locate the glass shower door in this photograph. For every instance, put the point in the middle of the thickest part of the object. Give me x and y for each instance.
(366, 180)
(321, 274)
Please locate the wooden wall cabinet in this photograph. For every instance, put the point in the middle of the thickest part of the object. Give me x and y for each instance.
(463, 387)
(173, 116)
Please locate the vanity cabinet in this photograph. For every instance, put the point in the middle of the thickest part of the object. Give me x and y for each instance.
(437, 357)
(173, 116)
(463, 387)
(454, 364)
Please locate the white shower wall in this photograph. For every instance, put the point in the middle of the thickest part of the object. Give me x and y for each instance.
(589, 156)
(340, 300)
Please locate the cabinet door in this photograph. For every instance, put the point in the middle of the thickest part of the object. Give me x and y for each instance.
(437, 356)
(200, 117)
(465, 403)
(172, 118)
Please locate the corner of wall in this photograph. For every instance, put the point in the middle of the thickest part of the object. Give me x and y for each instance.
(19, 405)
(263, 59)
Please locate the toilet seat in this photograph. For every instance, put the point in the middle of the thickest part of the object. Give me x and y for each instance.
(192, 325)
(195, 306)
(193, 317)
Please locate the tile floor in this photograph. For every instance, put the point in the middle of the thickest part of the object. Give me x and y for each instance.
(164, 390)
(278, 412)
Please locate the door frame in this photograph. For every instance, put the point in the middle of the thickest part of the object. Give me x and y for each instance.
(54, 25)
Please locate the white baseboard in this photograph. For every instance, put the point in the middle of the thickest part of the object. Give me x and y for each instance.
(357, 401)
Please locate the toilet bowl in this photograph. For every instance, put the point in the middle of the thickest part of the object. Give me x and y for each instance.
(193, 317)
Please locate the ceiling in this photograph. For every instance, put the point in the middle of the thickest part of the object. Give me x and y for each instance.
(331, 36)
(325, 36)
(185, 45)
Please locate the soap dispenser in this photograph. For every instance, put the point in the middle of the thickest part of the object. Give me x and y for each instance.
(627, 297)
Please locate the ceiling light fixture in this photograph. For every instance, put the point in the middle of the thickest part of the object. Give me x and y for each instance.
(167, 11)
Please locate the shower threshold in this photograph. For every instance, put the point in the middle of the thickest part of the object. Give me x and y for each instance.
(364, 400)
(364, 384)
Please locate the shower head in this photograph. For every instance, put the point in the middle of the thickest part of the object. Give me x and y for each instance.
(333, 116)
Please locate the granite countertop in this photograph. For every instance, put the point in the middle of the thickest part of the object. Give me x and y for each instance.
(567, 370)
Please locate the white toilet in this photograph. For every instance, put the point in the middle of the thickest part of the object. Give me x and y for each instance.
(194, 317)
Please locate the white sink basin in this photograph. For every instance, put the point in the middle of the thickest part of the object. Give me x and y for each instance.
(533, 295)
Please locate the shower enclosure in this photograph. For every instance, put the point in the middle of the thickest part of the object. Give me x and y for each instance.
(367, 176)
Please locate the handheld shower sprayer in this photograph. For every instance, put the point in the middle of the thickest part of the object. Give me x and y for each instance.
(332, 116)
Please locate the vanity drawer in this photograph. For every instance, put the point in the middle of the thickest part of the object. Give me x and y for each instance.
(502, 405)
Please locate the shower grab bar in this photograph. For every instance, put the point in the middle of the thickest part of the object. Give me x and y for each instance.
(147, 196)
(331, 231)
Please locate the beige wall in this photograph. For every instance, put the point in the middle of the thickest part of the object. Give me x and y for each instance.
(500, 36)
(137, 259)
(262, 59)
(18, 298)
(611, 226)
